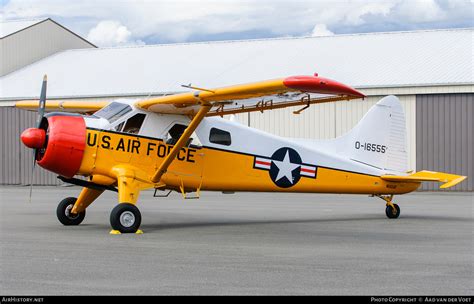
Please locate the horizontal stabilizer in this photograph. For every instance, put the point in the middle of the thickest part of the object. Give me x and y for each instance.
(448, 180)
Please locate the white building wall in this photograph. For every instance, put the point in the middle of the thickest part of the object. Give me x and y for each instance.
(414, 90)
(315, 122)
(36, 42)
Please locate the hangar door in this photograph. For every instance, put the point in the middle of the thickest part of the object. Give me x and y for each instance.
(445, 136)
(16, 161)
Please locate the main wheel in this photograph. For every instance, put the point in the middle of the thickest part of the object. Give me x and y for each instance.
(64, 212)
(125, 218)
(392, 214)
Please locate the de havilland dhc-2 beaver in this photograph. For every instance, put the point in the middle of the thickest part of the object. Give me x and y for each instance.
(181, 143)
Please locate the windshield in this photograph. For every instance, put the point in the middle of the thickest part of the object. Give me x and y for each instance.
(113, 111)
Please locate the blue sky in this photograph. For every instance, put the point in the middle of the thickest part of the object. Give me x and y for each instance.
(127, 22)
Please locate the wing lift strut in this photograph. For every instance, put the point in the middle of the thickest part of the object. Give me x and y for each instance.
(163, 168)
(306, 101)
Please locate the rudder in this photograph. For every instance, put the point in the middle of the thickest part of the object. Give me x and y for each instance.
(379, 139)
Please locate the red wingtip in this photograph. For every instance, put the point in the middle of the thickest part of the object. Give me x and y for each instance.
(316, 84)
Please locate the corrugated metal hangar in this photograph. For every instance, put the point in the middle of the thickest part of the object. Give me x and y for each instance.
(430, 71)
(26, 41)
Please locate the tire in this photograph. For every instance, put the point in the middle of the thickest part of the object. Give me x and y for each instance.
(64, 215)
(389, 212)
(125, 218)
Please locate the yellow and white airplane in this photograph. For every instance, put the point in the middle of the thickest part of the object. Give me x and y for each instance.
(180, 142)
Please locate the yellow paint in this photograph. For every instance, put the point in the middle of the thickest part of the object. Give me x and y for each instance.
(236, 92)
(116, 232)
(130, 181)
(86, 197)
(116, 159)
(208, 169)
(226, 171)
(58, 105)
(102, 180)
(181, 142)
(447, 179)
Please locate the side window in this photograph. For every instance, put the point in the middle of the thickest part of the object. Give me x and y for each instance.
(220, 137)
(175, 133)
(119, 126)
(134, 123)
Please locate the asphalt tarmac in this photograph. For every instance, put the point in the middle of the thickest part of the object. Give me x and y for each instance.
(246, 243)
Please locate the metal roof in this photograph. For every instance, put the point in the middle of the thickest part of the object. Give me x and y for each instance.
(12, 26)
(394, 59)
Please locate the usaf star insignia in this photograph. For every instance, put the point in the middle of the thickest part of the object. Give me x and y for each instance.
(285, 167)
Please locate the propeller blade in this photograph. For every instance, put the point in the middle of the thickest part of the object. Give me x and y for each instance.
(32, 173)
(42, 101)
(41, 108)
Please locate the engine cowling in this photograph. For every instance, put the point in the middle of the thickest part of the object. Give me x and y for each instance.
(60, 142)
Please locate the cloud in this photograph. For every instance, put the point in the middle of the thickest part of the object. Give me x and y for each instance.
(321, 30)
(420, 11)
(111, 33)
(357, 16)
(158, 21)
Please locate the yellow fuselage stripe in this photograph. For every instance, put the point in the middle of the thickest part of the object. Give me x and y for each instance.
(216, 170)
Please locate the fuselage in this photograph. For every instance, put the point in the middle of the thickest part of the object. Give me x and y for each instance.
(229, 156)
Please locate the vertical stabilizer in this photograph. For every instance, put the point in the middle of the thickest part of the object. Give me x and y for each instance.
(379, 139)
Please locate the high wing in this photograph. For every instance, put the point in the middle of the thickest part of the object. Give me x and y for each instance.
(65, 105)
(257, 96)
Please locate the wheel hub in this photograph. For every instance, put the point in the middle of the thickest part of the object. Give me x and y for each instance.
(68, 213)
(127, 219)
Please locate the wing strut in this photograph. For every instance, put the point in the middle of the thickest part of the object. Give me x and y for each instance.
(205, 107)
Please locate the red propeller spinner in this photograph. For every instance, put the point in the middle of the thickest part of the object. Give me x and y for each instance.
(33, 138)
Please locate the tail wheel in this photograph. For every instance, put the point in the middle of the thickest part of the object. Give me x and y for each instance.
(394, 212)
(64, 214)
(125, 218)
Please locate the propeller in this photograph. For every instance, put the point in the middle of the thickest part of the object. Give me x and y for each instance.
(42, 101)
(39, 118)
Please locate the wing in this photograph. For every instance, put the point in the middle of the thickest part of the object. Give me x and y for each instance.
(66, 106)
(257, 96)
(448, 180)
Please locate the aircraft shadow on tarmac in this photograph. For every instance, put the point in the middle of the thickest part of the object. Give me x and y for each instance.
(161, 226)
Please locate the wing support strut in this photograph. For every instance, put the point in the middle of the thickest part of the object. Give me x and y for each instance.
(308, 100)
(203, 110)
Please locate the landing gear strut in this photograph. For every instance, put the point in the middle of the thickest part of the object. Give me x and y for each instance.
(391, 210)
(64, 214)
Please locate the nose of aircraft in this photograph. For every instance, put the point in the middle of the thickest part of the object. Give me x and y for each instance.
(33, 138)
(63, 150)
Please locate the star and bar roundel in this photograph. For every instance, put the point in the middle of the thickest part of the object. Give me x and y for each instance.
(285, 167)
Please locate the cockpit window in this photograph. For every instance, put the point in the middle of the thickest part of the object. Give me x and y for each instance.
(175, 133)
(134, 123)
(113, 111)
